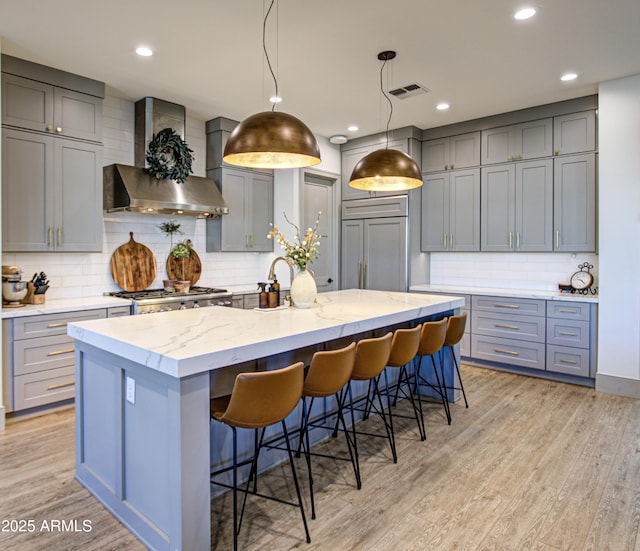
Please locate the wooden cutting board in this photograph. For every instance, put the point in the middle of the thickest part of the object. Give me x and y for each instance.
(192, 268)
(133, 266)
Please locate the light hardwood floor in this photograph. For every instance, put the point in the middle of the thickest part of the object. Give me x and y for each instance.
(532, 464)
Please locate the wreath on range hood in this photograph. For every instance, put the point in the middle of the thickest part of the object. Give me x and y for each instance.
(169, 157)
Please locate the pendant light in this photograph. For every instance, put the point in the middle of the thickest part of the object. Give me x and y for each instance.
(271, 139)
(386, 169)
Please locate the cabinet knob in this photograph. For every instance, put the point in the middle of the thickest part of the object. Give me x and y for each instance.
(510, 157)
(49, 128)
(557, 152)
(451, 167)
(58, 129)
(446, 167)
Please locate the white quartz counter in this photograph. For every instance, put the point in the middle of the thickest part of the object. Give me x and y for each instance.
(503, 292)
(183, 343)
(64, 305)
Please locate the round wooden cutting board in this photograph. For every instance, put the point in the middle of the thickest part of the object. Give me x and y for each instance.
(133, 266)
(192, 268)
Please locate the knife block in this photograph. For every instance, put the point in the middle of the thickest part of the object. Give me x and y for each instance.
(31, 297)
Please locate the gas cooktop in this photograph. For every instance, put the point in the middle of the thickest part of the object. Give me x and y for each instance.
(149, 294)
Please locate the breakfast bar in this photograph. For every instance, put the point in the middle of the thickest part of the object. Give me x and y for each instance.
(143, 386)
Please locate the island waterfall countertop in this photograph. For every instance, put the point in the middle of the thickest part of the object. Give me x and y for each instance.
(183, 343)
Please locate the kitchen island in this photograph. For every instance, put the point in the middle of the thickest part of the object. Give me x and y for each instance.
(143, 386)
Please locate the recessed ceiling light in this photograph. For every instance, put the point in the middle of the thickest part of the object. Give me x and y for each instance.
(524, 13)
(352, 128)
(275, 99)
(338, 139)
(144, 51)
(442, 106)
(568, 76)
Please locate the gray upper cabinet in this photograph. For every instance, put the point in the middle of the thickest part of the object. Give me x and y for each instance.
(517, 206)
(451, 211)
(454, 152)
(574, 133)
(33, 105)
(51, 193)
(249, 196)
(574, 203)
(517, 142)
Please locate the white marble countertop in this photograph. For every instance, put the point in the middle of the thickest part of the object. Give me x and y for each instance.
(503, 292)
(59, 306)
(183, 343)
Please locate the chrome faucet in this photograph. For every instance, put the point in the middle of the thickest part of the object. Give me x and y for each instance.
(272, 273)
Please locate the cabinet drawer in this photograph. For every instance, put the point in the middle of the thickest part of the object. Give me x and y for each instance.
(528, 328)
(568, 333)
(507, 351)
(564, 359)
(568, 310)
(51, 324)
(237, 301)
(33, 355)
(118, 311)
(38, 389)
(524, 306)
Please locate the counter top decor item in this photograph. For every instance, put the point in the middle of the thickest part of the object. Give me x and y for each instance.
(302, 251)
(180, 252)
(133, 266)
(169, 157)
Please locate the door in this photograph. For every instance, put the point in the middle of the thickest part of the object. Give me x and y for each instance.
(385, 254)
(464, 210)
(497, 216)
(351, 254)
(26, 103)
(534, 206)
(318, 194)
(435, 212)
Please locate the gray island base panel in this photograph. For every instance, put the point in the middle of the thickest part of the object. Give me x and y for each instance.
(143, 385)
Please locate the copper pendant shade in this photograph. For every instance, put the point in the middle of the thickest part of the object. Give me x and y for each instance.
(386, 170)
(272, 140)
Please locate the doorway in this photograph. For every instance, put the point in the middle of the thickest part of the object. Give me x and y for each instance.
(319, 194)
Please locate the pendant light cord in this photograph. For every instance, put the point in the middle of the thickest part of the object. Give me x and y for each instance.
(266, 53)
(388, 99)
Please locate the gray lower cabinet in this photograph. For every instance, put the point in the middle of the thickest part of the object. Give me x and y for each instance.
(451, 211)
(51, 193)
(517, 207)
(574, 203)
(249, 196)
(571, 338)
(39, 357)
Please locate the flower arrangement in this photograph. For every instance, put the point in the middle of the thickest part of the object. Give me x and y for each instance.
(304, 249)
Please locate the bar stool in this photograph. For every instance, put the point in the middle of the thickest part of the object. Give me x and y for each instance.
(328, 375)
(372, 356)
(257, 401)
(404, 347)
(432, 338)
(455, 331)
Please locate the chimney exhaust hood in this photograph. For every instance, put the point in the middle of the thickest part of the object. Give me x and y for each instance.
(131, 188)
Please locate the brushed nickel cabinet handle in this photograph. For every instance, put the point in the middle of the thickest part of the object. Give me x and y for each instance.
(557, 239)
(567, 310)
(61, 385)
(503, 351)
(58, 352)
(567, 333)
(451, 241)
(510, 240)
(517, 240)
(506, 326)
(501, 305)
(444, 241)
(62, 324)
(567, 361)
(359, 275)
(59, 236)
(364, 275)
(122, 311)
(50, 236)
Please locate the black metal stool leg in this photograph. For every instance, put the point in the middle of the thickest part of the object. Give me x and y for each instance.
(295, 481)
(455, 362)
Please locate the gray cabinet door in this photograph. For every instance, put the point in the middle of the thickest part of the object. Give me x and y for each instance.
(77, 115)
(26, 103)
(385, 254)
(351, 254)
(574, 203)
(497, 216)
(435, 212)
(233, 233)
(260, 212)
(462, 151)
(574, 133)
(534, 206)
(534, 139)
(464, 210)
(27, 191)
(78, 196)
(435, 155)
(498, 145)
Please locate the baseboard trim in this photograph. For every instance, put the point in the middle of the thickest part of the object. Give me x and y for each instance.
(629, 388)
(2, 415)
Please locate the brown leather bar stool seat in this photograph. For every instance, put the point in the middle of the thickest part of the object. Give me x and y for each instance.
(404, 347)
(372, 356)
(257, 401)
(328, 375)
(432, 338)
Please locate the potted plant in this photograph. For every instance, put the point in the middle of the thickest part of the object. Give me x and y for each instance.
(170, 228)
(181, 251)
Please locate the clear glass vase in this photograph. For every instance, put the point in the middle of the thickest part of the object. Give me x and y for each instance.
(303, 290)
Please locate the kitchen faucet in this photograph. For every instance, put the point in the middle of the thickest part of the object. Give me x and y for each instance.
(272, 273)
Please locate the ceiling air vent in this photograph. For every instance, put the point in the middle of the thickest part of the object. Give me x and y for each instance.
(409, 91)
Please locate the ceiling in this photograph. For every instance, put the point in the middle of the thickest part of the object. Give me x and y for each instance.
(208, 54)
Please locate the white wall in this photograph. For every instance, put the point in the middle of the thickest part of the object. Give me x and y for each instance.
(87, 274)
(619, 233)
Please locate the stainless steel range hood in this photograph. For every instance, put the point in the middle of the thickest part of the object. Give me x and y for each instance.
(131, 188)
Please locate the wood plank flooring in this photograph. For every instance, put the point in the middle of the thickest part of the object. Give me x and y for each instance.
(532, 464)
